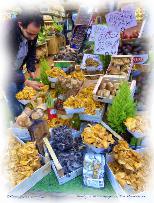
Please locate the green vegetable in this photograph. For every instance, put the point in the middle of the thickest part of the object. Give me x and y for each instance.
(43, 69)
(105, 59)
(49, 102)
(57, 27)
(123, 106)
(62, 64)
(42, 36)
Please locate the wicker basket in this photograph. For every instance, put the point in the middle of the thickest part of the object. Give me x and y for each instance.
(53, 47)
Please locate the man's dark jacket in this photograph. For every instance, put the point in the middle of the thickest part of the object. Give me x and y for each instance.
(15, 37)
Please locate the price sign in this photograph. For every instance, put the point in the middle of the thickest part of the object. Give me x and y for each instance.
(106, 42)
(140, 59)
(120, 20)
(96, 29)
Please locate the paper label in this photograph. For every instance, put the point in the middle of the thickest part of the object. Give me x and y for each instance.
(106, 42)
(120, 20)
(140, 59)
(91, 68)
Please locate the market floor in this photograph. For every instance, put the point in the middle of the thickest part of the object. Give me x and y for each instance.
(49, 184)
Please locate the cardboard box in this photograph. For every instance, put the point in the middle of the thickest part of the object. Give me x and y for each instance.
(114, 79)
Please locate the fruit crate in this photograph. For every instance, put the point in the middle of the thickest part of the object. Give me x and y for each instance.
(114, 79)
(93, 118)
(21, 133)
(66, 178)
(129, 70)
(115, 184)
(21, 188)
(73, 110)
(91, 148)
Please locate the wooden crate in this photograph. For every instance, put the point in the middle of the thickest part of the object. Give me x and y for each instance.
(30, 181)
(130, 69)
(42, 48)
(113, 79)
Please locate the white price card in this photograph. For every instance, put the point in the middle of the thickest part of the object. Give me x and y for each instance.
(107, 42)
(96, 29)
(120, 20)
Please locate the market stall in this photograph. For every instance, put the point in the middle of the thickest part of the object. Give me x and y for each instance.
(85, 132)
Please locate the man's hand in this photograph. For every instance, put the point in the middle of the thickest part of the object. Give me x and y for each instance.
(35, 85)
(32, 75)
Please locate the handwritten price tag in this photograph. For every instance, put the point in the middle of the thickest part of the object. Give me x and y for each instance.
(120, 20)
(106, 42)
(96, 29)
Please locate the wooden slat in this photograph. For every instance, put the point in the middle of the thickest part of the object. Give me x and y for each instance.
(54, 157)
(112, 131)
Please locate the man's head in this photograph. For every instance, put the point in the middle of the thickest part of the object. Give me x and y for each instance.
(30, 24)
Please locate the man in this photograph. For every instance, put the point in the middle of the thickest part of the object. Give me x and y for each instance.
(23, 32)
(68, 27)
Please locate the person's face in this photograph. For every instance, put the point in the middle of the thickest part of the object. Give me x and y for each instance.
(31, 31)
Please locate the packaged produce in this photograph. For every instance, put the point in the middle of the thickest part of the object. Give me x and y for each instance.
(27, 93)
(24, 160)
(93, 170)
(97, 136)
(52, 112)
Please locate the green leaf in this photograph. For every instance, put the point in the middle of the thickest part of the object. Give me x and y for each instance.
(123, 106)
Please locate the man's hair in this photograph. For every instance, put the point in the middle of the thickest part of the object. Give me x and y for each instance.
(27, 17)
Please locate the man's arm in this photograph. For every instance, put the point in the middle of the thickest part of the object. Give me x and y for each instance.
(31, 58)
